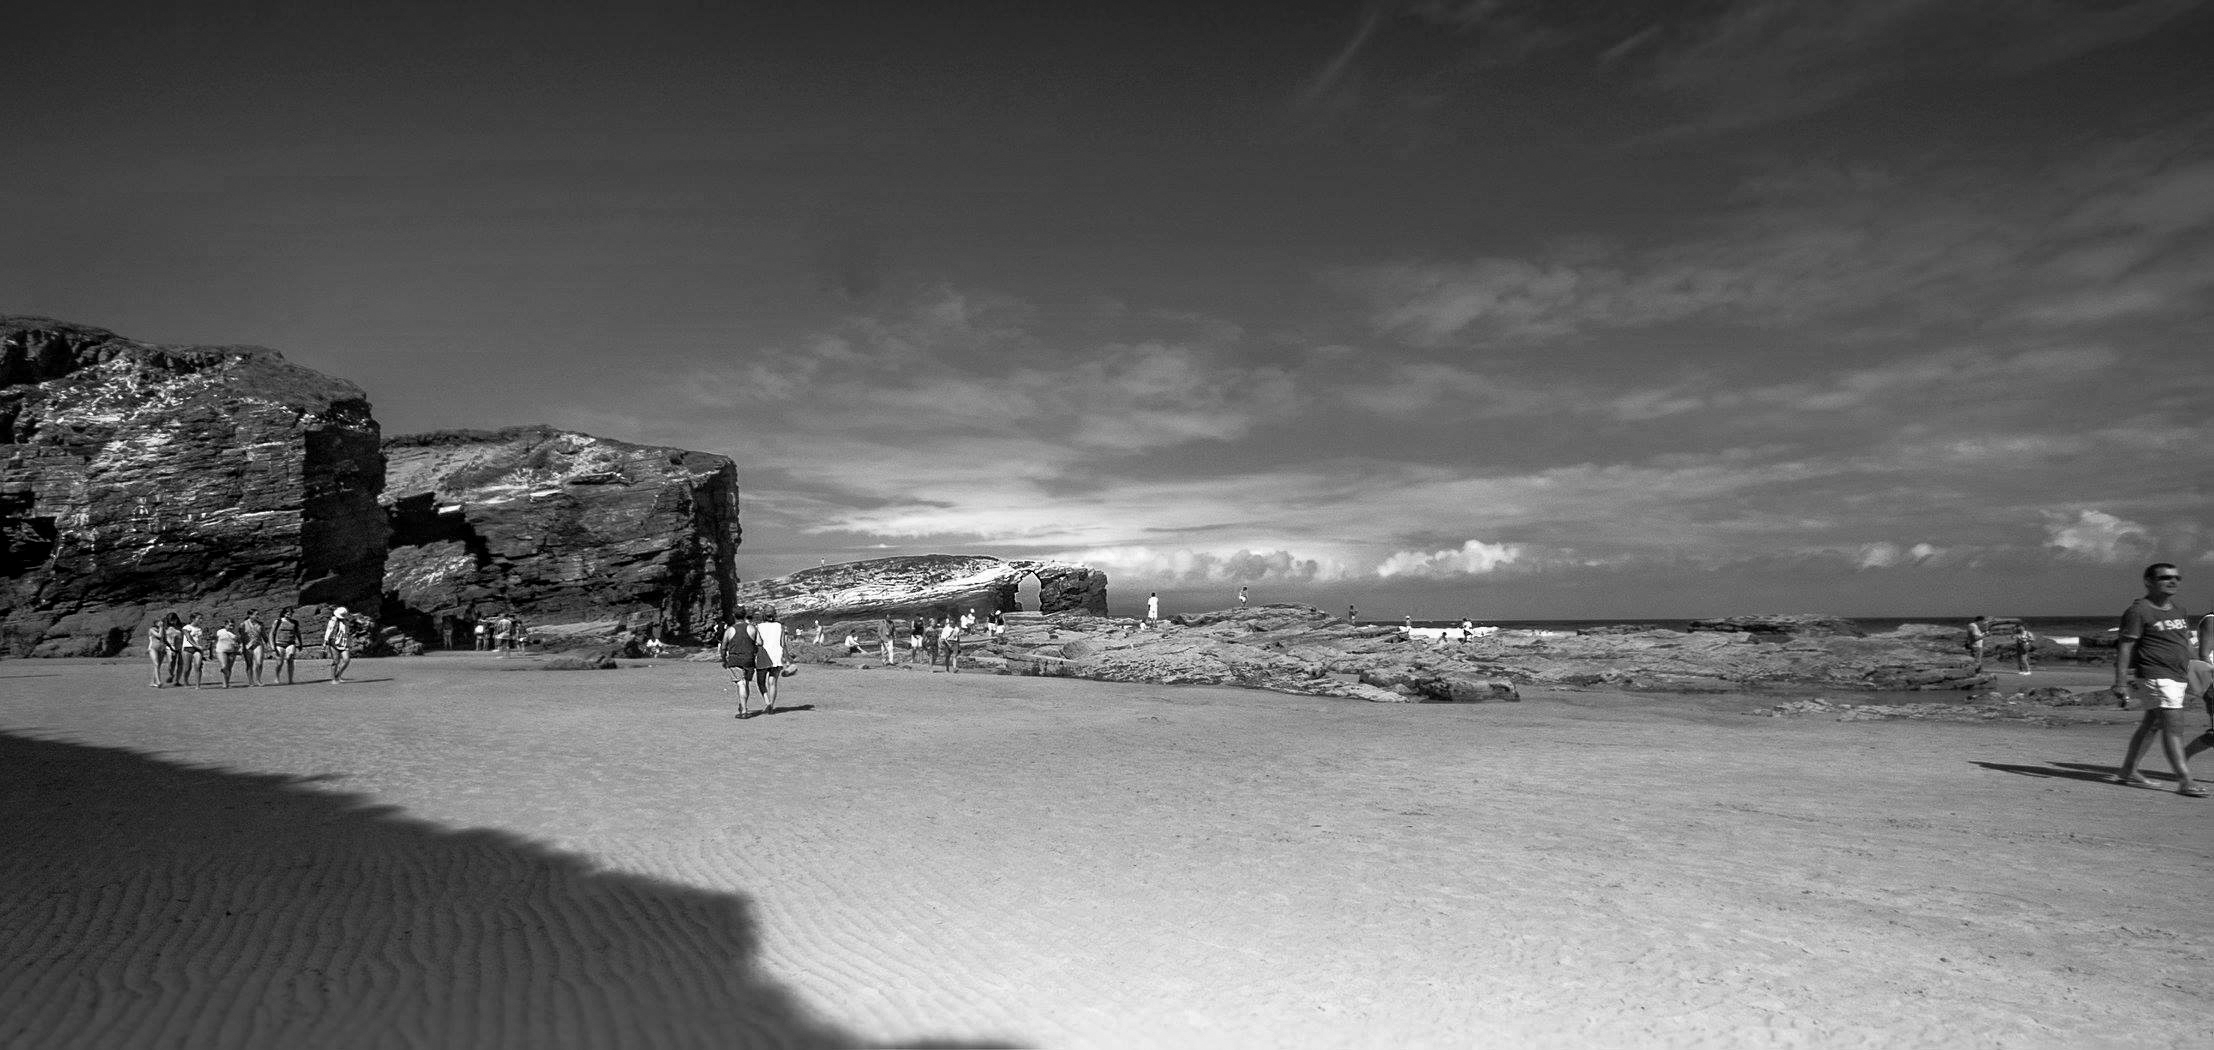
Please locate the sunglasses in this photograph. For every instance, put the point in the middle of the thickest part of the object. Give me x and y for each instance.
(2156, 578)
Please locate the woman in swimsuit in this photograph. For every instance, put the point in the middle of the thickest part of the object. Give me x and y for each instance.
(285, 635)
(157, 650)
(196, 648)
(338, 637)
(227, 646)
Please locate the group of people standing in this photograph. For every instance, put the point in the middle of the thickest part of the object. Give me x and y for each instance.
(180, 649)
(1979, 635)
(503, 632)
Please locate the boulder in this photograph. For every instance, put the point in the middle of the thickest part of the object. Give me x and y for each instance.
(562, 527)
(1792, 624)
(138, 479)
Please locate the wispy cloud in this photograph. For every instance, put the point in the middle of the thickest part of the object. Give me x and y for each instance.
(2098, 536)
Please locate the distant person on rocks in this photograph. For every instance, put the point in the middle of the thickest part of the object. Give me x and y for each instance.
(503, 633)
(338, 637)
(818, 632)
(1974, 644)
(1241, 598)
(1153, 607)
(157, 649)
(968, 620)
(997, 625)
(768, 657)
(916, 629)
(228, 644)
(256, 638)
(284, 635)
(1468, 630)
(1352, 615)
(853, 643)
(2152, 666)
(949, 644)
(196, 643)
(738, 648)
(890, 636)
(2022, 640)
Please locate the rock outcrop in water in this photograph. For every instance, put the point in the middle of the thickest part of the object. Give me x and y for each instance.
(138, 478)
(599, 536)
(930, 583)
(1297, 649)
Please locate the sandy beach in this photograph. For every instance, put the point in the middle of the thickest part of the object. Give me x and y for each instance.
(455, 853)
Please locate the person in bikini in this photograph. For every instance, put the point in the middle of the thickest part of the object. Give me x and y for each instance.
(2152, 666)
(284, 637)
(157, 650)
(255, 636)
(196, 647)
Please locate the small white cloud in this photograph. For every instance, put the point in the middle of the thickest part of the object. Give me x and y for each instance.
(1472, 558)
(2096, 535)
(1183, 565)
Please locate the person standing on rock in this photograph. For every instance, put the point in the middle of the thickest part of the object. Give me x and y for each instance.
(338, 638)
(1352, 615)
(157, 649)
(2022, 640)
(255, 636)
(285, 636)
(738, 650)
(2152, 665)
(1974, 644)
(997, 626)
(1241, 598)
(1152, 607)
(768, 657)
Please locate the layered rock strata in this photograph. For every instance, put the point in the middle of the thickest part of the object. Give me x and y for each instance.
(603, 537)
(1297, 649)
(928, 584)
(137, 479)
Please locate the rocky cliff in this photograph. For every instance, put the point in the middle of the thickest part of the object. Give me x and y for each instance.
(136, 479)
(564, 528)
(929, 583)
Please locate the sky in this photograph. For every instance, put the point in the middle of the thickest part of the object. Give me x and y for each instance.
(1508, 309)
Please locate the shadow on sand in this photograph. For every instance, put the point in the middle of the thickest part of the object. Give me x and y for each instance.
(143, 902)
(2095, 774)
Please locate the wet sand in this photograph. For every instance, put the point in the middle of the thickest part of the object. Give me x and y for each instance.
(450, 853)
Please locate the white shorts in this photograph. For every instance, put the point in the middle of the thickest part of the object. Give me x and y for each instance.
(2149, 693)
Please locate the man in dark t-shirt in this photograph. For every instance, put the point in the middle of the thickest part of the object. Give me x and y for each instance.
(2152, 663)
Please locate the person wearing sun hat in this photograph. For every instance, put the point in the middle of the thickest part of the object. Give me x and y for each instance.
(338, 637)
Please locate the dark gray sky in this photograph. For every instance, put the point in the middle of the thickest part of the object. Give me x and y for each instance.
(1497, 308)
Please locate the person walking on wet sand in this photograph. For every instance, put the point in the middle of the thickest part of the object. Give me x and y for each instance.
(738, 657)
(1974, 644)
(285, 636)
(228, 643)
(157, 650)
(2022, 640)
(949, 643)
(338, 637)
(2152, 665)
(196, 644)
(768, 657)
(255, 636)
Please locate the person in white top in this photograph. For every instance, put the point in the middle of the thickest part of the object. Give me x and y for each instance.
(949, 643)
(768, 657)
(228, 642)
(1152, 607)
(195, 652)
(338, 637)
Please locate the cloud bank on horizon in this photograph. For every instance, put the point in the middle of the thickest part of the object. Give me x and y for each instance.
(1491, 304)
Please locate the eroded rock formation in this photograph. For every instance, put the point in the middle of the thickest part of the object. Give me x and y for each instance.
(138, 478)
(565, 528)
(930, 583)
(1297, 649)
